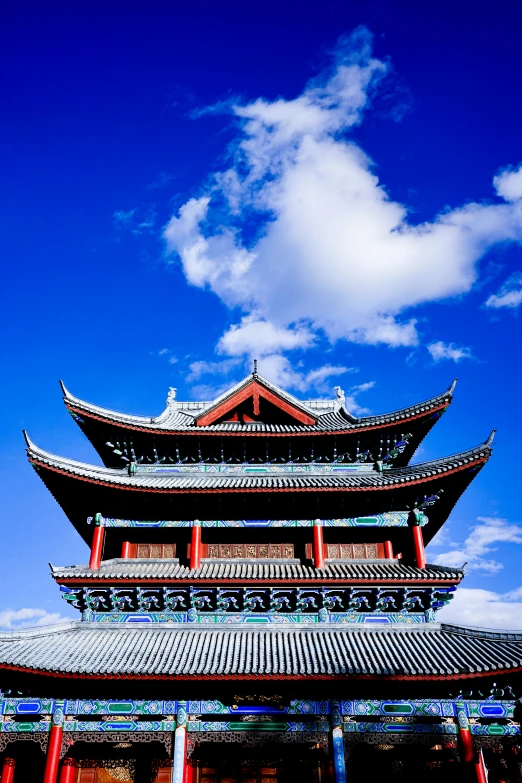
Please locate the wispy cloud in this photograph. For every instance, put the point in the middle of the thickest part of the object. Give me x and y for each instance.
(299, 232)
(480, 543)
(162, 180)
(200, 368)
(509, 294)
(140, 220)
(440, 351)
(12, 619)
(167, 354)
(484, 608)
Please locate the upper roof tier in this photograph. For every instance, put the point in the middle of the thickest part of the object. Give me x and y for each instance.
(267, 418)
(84, 490)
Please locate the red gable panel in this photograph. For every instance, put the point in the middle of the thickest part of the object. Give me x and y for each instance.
(254, 391)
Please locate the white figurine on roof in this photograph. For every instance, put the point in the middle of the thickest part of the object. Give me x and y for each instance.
(340, 398)
(171, 397)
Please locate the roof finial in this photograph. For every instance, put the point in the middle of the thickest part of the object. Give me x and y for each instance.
(255, 368)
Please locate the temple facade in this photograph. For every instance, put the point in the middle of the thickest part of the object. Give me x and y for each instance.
(257, 606)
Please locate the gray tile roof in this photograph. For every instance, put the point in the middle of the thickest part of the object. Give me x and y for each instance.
(223, 482)
(182, 416)
(163, 569)
(120, 650)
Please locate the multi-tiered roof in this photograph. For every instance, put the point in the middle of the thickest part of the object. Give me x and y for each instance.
(258, 535)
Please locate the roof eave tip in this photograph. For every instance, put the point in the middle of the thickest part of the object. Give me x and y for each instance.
(64, 389)
(28, 441)
(452, 386)
(491, 438)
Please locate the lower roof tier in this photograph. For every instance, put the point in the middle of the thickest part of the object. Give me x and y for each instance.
(164, 652)
(84, 490)
(162, 572)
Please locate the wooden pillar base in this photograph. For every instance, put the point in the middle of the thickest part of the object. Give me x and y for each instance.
(8, 770)
(69, 771)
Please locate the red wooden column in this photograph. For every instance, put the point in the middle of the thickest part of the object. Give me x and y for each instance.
(69, 771)
(480, 768)
(125, 549)
(195, 545)
(98, 535)
(318, 544)
(189, 773)
(388, 549)
(472, 769)
(8, 770)
(418, 541)
(54, 746)
(180, 745)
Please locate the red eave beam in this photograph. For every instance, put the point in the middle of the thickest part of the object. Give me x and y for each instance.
(264, 490)
(262, 583)
(245, 433)
(269, 676)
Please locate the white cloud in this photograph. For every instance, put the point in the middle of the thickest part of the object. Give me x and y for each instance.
(301, 235)
(508, 183)
(484, 608)
(480, 541)
(509, 295)
(12, 619)
(441, 350)
(257, 337)
(318, 377)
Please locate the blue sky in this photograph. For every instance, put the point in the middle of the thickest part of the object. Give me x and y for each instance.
(335, 191)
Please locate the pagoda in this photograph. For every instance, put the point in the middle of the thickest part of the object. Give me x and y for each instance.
(257, 606)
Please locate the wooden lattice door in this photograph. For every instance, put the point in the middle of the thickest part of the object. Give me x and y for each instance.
(250, 774)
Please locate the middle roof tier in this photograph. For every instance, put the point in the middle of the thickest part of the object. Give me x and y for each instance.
(84, 490)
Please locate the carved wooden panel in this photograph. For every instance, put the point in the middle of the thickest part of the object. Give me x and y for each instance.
(349, 551)
(154, 550)
(254, 551)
